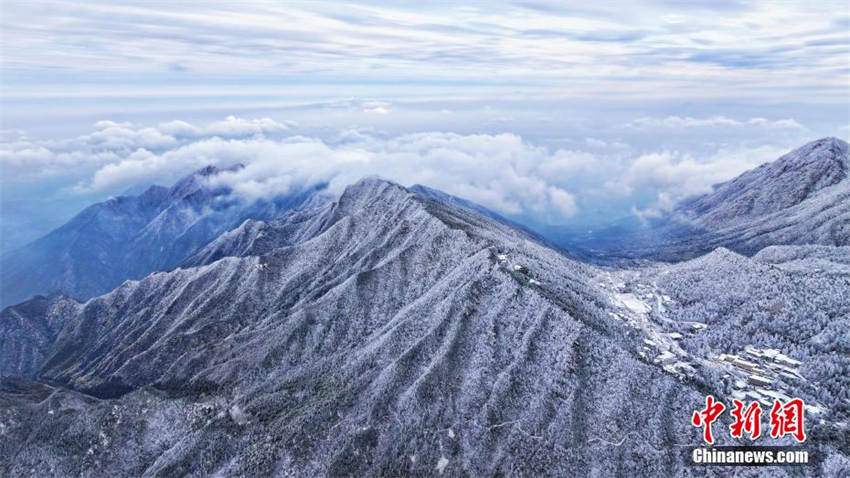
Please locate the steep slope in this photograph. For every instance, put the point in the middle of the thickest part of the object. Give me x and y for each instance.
(801, 198)
(825, 259)
(434, 194)
(385, 334)
(29, 330)
(257, 237)
(784, 312)
(129, 237)
(396, 337)
(788, 298)
(78, 257)
(772, 187)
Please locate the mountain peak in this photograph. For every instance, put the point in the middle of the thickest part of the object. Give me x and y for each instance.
(194, 181)
(373, 181)
(830, 150)
(130, 236)
(773, 186)
(211, 170)
(802, 197)
(830, 141)
(369, 189)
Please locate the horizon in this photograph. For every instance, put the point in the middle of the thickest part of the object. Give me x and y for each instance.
(546, 114)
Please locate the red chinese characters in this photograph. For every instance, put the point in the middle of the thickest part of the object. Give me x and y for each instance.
(787, 419)
(746, 421)
(707, 416)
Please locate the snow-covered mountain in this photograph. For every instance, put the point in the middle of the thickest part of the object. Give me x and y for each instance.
(128, 237)
(801, 198)
(791, 299)
(775, 187)
(28, 331)
(394, 332)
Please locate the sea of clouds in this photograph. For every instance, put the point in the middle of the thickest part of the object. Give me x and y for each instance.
(501, 171)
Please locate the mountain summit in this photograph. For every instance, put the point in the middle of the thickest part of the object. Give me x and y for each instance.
(801, 198)
(128, 237)
(772, 187)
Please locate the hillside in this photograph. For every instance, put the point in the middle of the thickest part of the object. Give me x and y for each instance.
(128, 237)
(801, 198)
(385, 333)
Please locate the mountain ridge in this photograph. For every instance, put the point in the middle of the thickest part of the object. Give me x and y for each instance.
(130, 236)
(801, 198)
(293, 325)
(799, 175)
(386, 334)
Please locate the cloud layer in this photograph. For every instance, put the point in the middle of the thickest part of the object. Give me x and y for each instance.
(501, 171)
(559, 112)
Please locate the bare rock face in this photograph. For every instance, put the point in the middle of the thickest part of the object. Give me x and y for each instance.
(389, 333)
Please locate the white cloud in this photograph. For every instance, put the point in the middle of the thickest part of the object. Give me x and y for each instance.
(111, 143)
(377, 107)
(679, 122)
(672, 175)
(497, 171)
(231, 127)
(500, 171)
(564, 165)
(106, 124)
(562, 201)
(126, 137)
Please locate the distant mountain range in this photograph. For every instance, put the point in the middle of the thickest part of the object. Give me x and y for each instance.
(404, 332)
(128, 237)
(801, 198)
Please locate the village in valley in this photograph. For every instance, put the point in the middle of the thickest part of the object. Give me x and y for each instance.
(757, 375)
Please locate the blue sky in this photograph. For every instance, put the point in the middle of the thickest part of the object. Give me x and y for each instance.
(545, 112)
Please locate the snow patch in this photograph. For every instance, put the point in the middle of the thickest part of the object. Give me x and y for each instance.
(441, 465)
(632, 303)
(238, 415)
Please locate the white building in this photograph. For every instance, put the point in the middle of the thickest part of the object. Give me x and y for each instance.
(759, 381)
